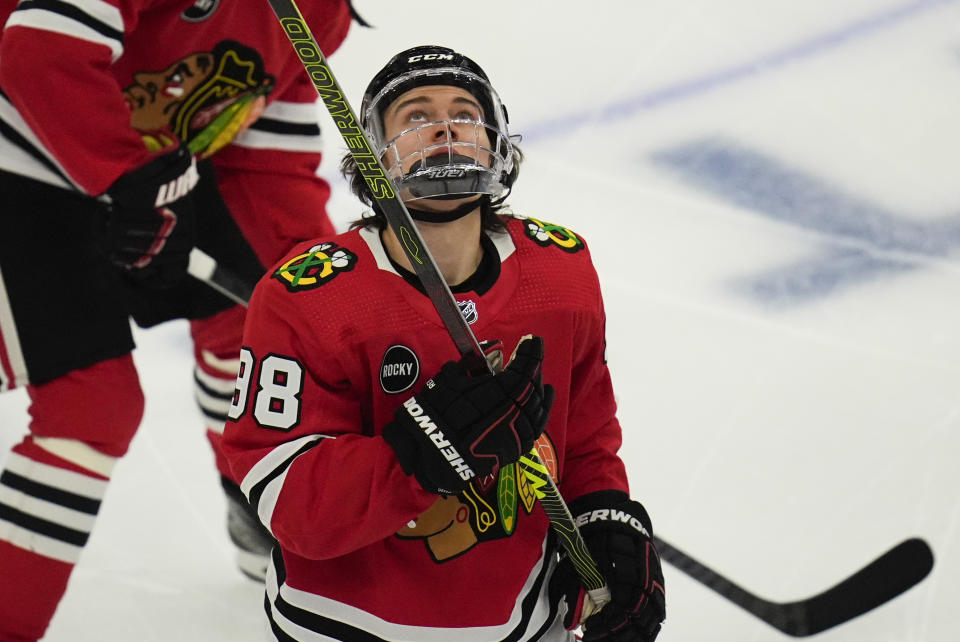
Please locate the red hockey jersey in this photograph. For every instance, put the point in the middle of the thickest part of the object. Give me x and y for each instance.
(87, 89)
(335, 340)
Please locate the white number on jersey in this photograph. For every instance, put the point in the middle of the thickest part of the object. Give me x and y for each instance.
(238, 405)
(276, 402)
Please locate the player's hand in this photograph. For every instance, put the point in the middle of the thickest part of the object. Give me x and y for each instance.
(149, 227)
(619, 536)
(461, 426)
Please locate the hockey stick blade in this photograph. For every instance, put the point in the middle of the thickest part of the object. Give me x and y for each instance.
(881, 580)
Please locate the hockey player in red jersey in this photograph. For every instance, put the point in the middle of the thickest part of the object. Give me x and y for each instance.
(130, 132)
(383, 465)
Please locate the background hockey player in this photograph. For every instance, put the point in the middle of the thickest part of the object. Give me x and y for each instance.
(196, 121)
(385, 469)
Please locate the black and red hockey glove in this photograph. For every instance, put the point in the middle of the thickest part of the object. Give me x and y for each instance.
(149, 227)
(462, 426)
(619, 535)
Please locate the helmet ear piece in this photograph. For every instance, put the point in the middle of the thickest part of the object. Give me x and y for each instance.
(509, 176)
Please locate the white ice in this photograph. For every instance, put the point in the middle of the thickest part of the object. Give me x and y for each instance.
(780, 430)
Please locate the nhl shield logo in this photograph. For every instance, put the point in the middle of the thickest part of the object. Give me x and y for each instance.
(469, 311)
(399, 369)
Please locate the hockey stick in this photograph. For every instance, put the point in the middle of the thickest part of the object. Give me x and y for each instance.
(204, 267)
(315, 63)
(879, 581)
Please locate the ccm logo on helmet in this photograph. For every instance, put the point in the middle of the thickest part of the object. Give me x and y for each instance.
(436, 437)
(433, 56)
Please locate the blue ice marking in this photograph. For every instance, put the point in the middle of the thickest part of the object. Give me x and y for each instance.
(884, 241)
(693, 87)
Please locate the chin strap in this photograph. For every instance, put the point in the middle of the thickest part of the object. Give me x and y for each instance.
(452, 215)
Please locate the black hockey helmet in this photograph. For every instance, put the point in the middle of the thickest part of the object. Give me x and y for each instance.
(470, 167)
(443, 66)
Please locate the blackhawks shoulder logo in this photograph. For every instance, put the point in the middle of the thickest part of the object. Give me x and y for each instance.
(315, 267)
(545, 234)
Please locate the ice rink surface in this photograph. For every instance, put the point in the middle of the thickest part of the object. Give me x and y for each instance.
(770, 191)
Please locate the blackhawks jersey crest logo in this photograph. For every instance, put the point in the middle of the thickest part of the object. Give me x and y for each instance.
(315, 267)
(546, 234)
(489, 509)
(204, 99)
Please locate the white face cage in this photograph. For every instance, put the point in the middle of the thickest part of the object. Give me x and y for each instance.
(447, 166)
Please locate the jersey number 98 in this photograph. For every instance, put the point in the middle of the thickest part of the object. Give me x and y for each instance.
(276, 399)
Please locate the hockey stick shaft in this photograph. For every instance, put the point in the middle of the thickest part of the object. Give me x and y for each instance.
(881, 580)
(204, 267)
(375, 175)
(381, 188)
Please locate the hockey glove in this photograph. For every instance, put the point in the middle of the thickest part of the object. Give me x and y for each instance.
(618, 534)
(462, 426)
(149, 228)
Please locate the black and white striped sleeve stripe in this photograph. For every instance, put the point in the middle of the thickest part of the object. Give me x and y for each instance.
(263, 483)
(285, 126)
(91, 20)
(27, 155)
